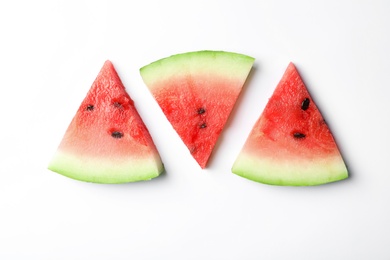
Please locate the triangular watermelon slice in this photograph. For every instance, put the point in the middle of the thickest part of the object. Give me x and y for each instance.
(197, 91)
(107, 141)
(290, 143)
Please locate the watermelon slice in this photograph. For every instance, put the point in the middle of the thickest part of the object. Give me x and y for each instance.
(107, 141)
(197, 91)
(290, 143)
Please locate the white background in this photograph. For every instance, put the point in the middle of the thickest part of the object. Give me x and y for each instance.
(50, 53)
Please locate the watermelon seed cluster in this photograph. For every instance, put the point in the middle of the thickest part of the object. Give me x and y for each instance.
(304, 106)
(200, 111)
(115, 133)
(90, 107)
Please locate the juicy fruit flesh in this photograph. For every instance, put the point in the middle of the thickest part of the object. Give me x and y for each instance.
(107, 141)
(204, 120)
(197, 91)
(291, 144)
(118, 128)
(284, 117)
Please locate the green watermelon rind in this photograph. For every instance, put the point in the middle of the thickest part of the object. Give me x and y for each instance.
(286, 173)
(226, 64)
(106, 171)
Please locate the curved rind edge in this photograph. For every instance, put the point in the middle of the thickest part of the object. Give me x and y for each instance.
(301, 173)
(105, 172)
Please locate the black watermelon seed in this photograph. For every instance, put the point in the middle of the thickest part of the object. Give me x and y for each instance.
(298, 135)
(90, 107)
(203, 125)
(117, 104)
(201, 111)
(305, 104)
(117, 134)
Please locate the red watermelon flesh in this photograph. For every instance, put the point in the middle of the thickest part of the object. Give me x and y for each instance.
(107, 141)
(197, 91)
(291, 144)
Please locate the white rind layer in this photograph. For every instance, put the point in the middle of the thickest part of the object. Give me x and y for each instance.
(227, 65)
(99, 170)
(290, 173)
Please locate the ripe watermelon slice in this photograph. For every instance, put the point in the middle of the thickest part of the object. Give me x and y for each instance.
(107, 141)
(197, 91)
(290, 143)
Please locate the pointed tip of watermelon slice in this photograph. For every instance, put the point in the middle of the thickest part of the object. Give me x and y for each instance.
(108, 67)
(291, 67)
(108, 63)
